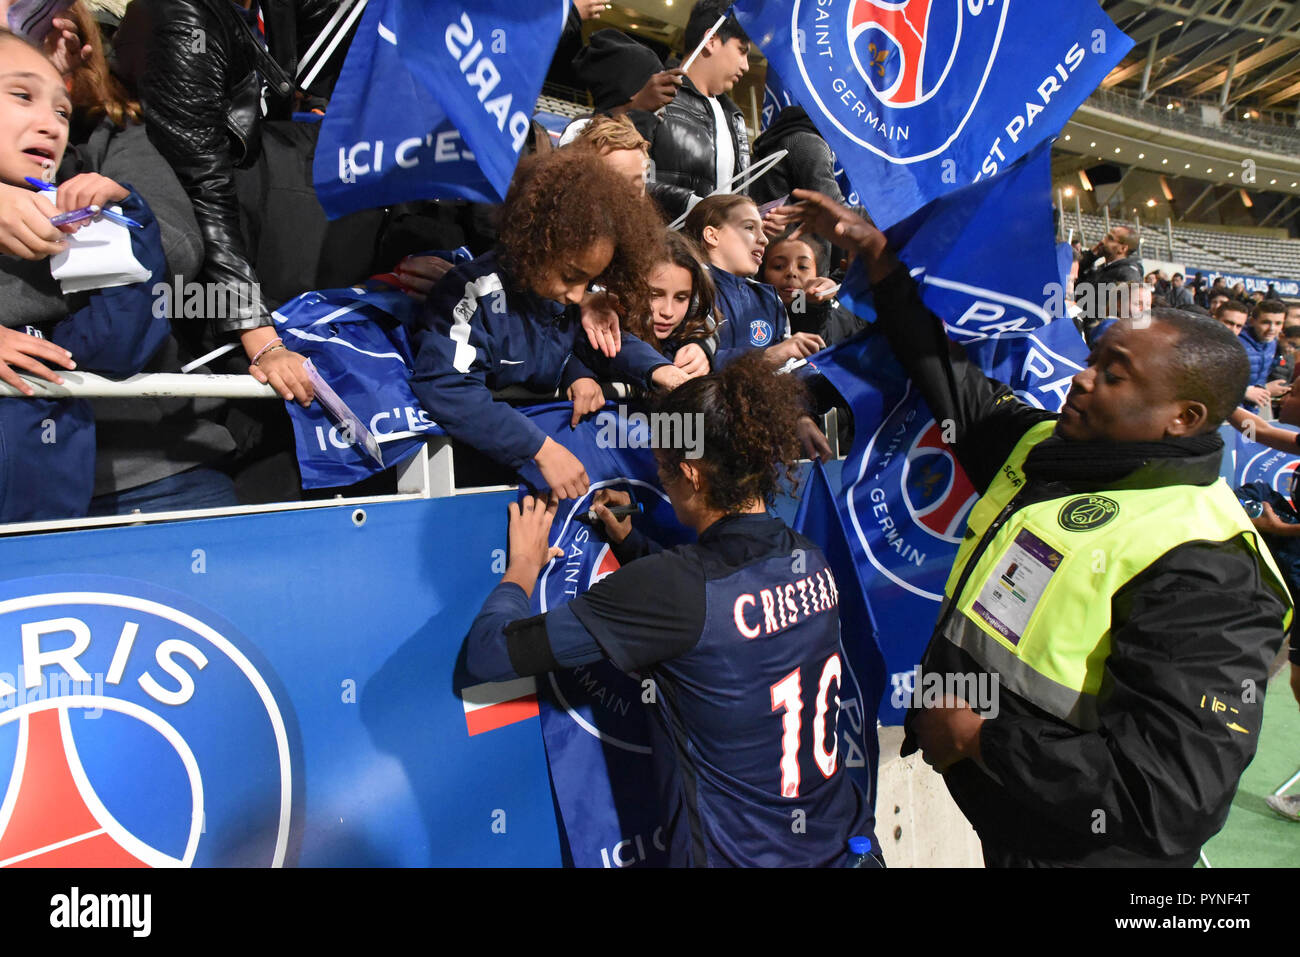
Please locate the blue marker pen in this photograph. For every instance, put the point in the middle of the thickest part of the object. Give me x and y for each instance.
(106, 213)
(75, 216)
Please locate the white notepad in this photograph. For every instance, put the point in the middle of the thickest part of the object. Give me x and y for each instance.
(98, 256)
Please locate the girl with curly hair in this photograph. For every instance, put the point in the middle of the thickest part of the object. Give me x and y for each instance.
(739, 634)
(682, 320)
(514, 316)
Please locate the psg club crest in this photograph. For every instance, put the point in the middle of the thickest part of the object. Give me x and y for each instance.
(760, 332)
(1275, 469)
(910, 500)
(875, 67)
(135, 731)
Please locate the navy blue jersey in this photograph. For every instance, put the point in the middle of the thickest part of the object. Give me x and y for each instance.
(753, 315)
(740, 633)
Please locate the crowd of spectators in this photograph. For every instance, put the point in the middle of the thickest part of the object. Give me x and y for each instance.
(576, 280)
(592, 285)
(595, 286)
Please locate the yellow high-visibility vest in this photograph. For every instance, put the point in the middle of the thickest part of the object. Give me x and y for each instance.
(1035, 609)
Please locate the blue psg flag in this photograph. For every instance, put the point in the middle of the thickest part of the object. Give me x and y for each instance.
(903, 505)
(485, 62)
(920, 97)
(356, 339)
(595, 718)
(865, 672)
(776, 97)
(386, 138)
(1252, 461)
(986, 261)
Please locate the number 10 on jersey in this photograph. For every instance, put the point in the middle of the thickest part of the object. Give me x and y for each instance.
(787, 695)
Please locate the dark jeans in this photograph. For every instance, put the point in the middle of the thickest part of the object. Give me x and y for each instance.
(197, 488)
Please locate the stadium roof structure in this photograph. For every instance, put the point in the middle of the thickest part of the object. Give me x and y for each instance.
(1241, 55)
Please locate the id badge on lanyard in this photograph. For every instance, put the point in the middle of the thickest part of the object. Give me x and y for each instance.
(1016, 585)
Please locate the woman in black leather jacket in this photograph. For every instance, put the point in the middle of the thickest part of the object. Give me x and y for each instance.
(201, 66)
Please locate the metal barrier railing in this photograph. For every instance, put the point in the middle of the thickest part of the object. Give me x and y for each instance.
(429, 473)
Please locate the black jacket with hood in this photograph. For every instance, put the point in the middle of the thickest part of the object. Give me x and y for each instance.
(809, 163)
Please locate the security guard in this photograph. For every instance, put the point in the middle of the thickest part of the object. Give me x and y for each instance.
(1108, 580)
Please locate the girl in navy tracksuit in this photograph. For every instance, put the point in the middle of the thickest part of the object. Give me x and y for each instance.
(729, 230)
(47, 447)
(512, 317)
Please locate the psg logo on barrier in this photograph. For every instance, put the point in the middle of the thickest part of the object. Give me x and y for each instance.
(134, 732)
(603, 701)
(875, 66)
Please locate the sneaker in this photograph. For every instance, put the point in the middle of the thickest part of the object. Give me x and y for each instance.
(1288, 807)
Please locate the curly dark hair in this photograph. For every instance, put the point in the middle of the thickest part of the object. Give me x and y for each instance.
(751, 447)
(701, 317)
(560, 203)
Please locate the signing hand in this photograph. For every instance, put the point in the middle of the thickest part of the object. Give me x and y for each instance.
(25, 229)
(18, 349)
(692, 360)
(821, 288)
(89, 189)
(819, 214)
(1259, 395)
(587, 397)
(561, 470)
(615, 529)
(1278, 387)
